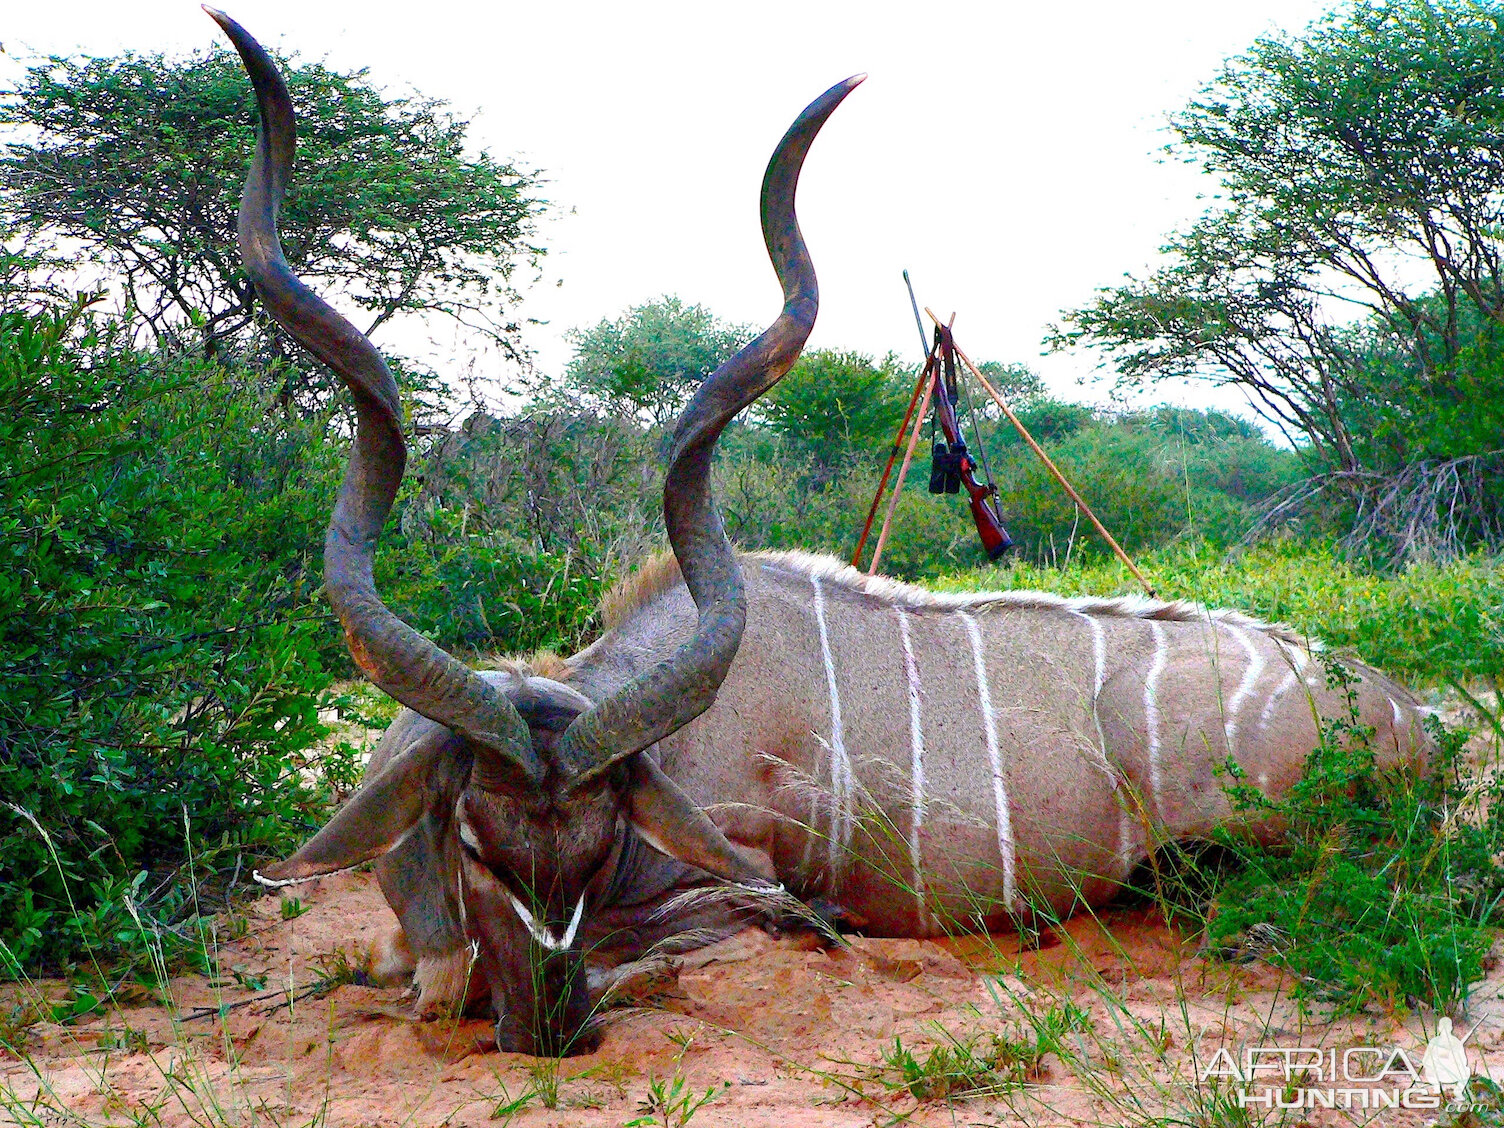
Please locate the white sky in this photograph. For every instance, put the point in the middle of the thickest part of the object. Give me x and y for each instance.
(1006, 154)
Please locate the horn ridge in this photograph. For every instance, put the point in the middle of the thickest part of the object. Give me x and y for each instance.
(401, 661)
(676, 691)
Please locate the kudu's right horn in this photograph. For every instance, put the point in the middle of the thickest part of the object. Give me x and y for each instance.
(676, 691)
(410, 667)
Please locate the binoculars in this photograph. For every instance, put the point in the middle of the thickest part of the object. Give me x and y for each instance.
(946, 461)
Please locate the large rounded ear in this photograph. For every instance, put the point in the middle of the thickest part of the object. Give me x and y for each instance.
(669, 821)
(377, 817)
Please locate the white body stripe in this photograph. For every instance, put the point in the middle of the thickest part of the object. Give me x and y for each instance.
(1005, 843)
(1151, 710)
(1297, 661)
(840, 763)
(916, 763)
(1125, 818)
(1098, 650)
(1251, 675)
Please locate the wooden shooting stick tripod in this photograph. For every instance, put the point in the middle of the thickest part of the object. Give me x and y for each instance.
(937, 382)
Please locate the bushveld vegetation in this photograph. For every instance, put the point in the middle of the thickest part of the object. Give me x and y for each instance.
(167, 464)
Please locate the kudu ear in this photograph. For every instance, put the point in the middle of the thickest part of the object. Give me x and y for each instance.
(375, 819)
(671, 823)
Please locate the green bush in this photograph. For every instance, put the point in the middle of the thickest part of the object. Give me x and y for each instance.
(160, 659)
(478, 593)
(163, 643)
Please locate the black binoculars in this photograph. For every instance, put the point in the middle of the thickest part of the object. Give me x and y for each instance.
(945, 468)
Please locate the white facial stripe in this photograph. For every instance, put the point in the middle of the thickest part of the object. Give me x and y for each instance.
(1005, 844)
(542, 935)
(916, 763)
(840, 764)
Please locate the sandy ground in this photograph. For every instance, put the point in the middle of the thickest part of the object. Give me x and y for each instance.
(777, 1031)
(780, 1032)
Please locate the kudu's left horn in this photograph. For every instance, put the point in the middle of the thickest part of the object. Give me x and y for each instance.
(404, 663)
(666, 698)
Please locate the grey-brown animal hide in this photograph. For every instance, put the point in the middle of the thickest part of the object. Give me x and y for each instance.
(931, 762)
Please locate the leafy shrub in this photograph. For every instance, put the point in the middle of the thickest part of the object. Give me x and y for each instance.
(163, 645)
(476, 592)
(160, 660)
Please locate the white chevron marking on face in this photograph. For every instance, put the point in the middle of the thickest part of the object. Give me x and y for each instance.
(467, 836)
(1251, 675)
(916, 763)
(541, 934)
(1005, 844)
(1151, 711)
(840, 763)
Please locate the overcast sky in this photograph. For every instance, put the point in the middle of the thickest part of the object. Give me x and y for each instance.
(1008, 155)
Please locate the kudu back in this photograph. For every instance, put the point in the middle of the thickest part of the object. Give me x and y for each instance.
(748, 734)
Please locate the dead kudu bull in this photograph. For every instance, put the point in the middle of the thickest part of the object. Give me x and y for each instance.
(923, 761)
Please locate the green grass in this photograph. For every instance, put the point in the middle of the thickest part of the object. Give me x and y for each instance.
(1433, 624)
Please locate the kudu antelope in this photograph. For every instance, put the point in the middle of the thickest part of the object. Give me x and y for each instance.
(777, 722)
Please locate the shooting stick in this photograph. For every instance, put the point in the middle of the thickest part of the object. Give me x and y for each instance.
(908, 456)
(919, 385)
(1048, 464)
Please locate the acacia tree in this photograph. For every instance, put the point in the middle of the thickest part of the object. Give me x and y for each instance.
(1351, 277)
(136, 163)
(650, 360)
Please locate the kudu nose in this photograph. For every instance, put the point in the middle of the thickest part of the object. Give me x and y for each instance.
(514, 1036)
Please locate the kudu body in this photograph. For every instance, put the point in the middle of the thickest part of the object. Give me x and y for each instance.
(924, 762)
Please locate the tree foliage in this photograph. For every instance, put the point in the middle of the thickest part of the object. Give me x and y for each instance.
(834, 407)
(650, 360)
(1349, 279)
(135, 164)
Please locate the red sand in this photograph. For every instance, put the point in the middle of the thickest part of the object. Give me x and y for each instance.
(788, 1035)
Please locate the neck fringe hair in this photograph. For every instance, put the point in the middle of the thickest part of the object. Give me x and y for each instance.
(660, 573)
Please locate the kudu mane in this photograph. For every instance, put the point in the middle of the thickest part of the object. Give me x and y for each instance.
(659, 575)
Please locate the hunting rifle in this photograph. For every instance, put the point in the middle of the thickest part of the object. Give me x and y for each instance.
(951, 466)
